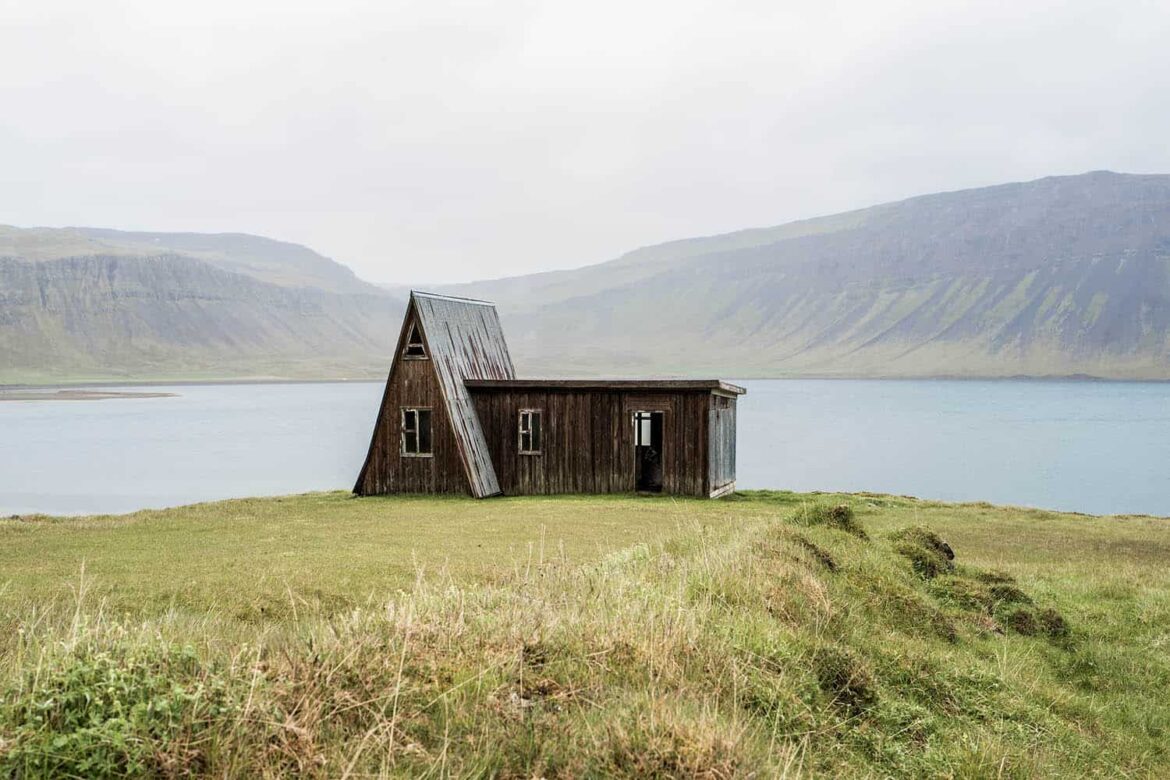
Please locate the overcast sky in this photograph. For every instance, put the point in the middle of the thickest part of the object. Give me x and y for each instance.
(431, 141)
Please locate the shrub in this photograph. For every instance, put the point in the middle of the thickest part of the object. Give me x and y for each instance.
(1007, 593)
(1052, 623)
(928, 554)
(1037, 622)
(969, 593)
(843, 676)
(839, 516)
(670, 749)
(111, 714)
(1023, 621)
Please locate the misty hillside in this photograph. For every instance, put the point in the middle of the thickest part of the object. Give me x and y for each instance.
(1061, 276)
(276, 262)
(90, 303)
(170, 316)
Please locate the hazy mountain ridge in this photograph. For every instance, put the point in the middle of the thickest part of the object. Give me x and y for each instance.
(108, 316)
(1061, 276)
(1056, 277)
(275, 262)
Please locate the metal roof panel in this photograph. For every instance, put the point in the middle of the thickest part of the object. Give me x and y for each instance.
(466, 343)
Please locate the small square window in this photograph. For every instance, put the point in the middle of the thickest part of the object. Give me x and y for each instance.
(530, 431)
(416, 432)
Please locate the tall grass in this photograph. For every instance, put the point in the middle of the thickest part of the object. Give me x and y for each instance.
(775, 647)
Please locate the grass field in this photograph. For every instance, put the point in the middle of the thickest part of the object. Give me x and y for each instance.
(768, 634)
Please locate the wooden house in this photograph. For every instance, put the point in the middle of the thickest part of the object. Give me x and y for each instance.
(455, 419)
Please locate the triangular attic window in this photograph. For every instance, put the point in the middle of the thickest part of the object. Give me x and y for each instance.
(414, 344)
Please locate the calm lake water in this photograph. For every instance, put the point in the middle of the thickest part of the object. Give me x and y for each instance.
(1083, 446)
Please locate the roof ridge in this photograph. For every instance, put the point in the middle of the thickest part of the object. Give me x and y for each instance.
(441, 296)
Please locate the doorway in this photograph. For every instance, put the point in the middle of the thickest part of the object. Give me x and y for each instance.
(648, 452)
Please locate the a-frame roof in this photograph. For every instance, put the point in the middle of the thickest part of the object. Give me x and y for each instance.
(466, 341)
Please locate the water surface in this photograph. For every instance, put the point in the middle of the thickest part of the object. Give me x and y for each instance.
(1098, 447)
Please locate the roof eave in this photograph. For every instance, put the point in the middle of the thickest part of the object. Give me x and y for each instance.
(679, 385)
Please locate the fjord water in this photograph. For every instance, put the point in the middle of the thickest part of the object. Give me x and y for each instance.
(1098, 447)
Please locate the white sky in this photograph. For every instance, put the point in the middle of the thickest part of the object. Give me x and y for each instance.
(430, 141)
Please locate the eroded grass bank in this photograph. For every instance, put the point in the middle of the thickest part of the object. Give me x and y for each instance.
(772, 634)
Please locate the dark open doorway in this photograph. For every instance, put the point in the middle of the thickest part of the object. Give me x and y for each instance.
(648, 452)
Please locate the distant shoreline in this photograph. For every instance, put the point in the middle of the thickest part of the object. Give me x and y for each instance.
(75, 395)
(78, 385)
(7, 389)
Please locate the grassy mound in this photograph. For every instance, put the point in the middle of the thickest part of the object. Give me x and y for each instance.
(839, 516)
(754, 640)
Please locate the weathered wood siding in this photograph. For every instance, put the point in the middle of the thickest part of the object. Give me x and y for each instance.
(721, 442)
(588, 444)
(412, 383)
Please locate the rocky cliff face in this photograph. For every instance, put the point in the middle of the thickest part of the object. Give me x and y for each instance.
(170, 315)
(275, 262)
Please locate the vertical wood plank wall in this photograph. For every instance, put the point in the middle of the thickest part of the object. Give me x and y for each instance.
(588, 442)
(413, 383)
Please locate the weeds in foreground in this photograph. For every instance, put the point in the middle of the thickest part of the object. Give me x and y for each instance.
(786, 646)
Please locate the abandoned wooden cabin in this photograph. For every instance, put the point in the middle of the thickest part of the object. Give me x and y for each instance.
(455, 419)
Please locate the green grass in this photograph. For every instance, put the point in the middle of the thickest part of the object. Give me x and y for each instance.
(768, 634)
(263, 558)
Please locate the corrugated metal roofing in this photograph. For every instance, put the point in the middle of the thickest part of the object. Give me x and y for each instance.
(466, 342)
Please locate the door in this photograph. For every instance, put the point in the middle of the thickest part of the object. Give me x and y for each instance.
(648, 452)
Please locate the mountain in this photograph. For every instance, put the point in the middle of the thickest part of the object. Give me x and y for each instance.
(1061, 276)
(1056, 277)
(83, 303)
(276, 262)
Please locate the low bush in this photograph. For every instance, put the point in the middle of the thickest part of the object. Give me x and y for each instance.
(928, 554)
(1022, 620)
(114, 713)
(839, 516)
(968, 592)
(1052, 623)
(1027, 621)
(845, 678)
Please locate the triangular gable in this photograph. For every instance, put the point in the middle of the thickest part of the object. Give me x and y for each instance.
(465, 341)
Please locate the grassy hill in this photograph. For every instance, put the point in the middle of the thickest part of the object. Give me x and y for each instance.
(1060, 276)
(771, 634)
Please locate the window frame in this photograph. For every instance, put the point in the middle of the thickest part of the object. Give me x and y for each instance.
(644, 424)
(521, 432)
(420, 344)
(403, 431)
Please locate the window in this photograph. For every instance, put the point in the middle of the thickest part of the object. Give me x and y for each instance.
(416, 432)
(414, 345)
(530, 431)
(644, 428)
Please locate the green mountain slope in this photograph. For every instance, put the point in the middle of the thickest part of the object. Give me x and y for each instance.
(276, 262)
(1055, 277)
(1061, 276)
(170, 316)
